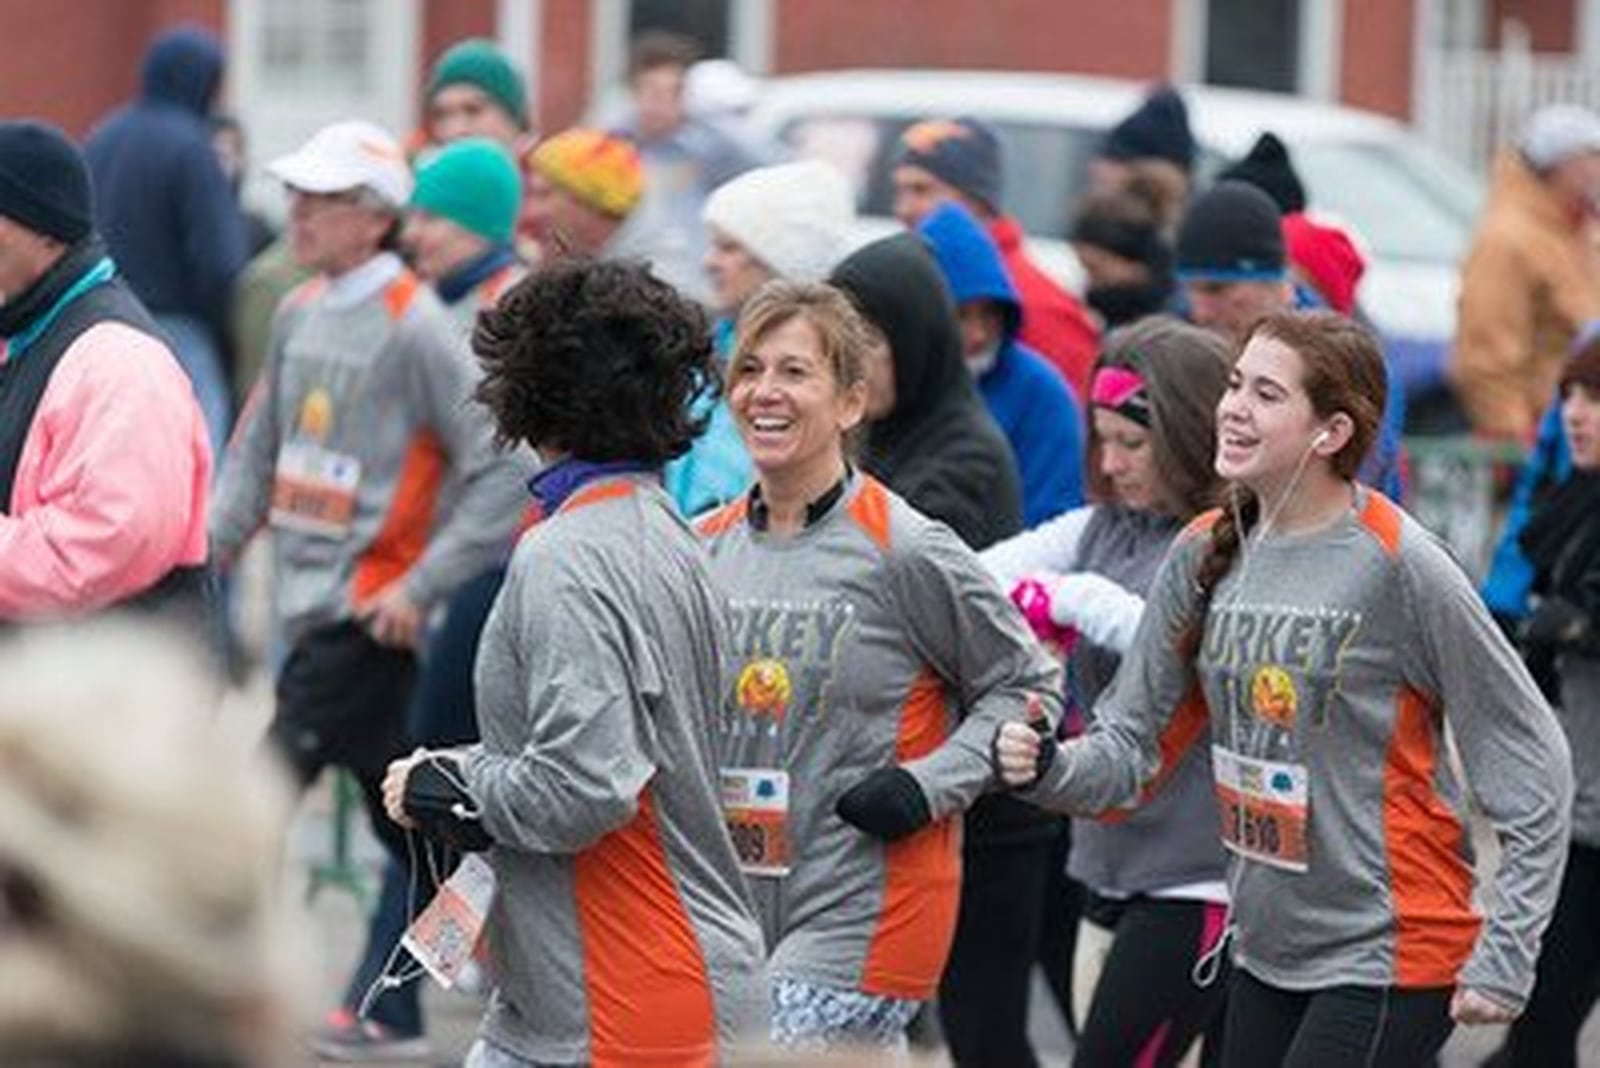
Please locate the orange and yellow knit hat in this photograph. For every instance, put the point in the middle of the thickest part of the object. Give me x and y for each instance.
(598, 168)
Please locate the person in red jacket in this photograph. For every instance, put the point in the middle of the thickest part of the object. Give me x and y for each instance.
(959, 159)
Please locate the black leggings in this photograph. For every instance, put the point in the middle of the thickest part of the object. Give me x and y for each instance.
(983, 997)
(1147, 1009)
(1546, 1034)
(1358, 1026)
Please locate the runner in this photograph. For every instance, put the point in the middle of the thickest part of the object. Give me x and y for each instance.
(1325, 637)
(621, 933)
(873, 658)
(1157, 894)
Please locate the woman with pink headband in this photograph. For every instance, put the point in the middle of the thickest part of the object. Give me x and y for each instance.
(1156, 880)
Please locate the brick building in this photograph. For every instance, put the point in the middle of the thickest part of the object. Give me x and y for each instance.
(298, 63)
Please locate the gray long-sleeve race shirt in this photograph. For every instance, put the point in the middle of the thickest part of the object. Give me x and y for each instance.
(622, 932)
(871, 638)
(1331, 664)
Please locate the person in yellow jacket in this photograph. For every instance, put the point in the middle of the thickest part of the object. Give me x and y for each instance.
(1532, 277)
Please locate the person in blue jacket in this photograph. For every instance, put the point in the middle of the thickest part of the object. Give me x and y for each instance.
(1510, 580)
(1034, 406)
(168, 215)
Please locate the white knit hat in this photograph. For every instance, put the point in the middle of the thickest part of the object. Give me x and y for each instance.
(795, 217)
(1557, 133)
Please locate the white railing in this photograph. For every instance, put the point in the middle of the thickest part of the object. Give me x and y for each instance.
(1473, 102)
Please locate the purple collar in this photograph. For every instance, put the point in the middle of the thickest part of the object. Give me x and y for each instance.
(552, 486)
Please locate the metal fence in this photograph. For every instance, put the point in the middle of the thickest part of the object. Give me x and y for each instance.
(1473, 101)
(1458, 487)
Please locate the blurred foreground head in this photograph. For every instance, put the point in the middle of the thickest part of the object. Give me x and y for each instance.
(139, 855)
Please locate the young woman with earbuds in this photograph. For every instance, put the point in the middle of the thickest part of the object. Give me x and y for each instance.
(1319, 641)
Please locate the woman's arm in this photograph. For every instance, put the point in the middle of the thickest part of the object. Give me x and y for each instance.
(586, 684)
(1143, 724)
(1051, 546)
(1515, 757)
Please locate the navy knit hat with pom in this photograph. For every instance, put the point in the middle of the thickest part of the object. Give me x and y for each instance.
(1159, 129)
(1267, 167)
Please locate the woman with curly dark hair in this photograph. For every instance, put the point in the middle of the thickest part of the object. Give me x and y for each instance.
(621, 931)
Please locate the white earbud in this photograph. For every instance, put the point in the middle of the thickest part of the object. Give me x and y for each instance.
(1322, 436)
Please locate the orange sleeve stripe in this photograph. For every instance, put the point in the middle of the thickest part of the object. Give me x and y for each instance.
(870, 510)
(1200, 524)
(643, 970)
(723, 519)
(1429, 879)
(1187, 725)
(922, 872)
(404, 534)
(305, 292)
(594, 494)
(397, 298)
(1382, 518)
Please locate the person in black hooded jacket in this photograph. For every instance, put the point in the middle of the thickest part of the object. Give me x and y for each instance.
(930, 438)
(932, 441)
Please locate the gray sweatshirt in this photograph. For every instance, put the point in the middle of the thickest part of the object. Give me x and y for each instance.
(871, 638)
(1330, 665)
(1171, 842)
(368, 382)
(621, 932)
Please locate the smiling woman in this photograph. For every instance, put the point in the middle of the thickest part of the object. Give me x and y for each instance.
(1327, 746)
(872, 660)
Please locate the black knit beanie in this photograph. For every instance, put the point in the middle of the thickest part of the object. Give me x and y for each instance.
(1159, 129)
(1267, 167)
(1232, 233)
(44, 184)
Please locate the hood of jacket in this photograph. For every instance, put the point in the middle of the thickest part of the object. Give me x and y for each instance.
(970, 261)
(184, 67)
(896, 285)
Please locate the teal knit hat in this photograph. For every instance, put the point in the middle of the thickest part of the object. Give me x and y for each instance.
(478, 62)
(474, 183)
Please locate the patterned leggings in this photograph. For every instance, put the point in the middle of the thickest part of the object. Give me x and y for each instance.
(811, 1017)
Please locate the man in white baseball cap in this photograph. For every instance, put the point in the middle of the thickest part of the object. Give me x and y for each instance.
(362, 416)
(1532, 278)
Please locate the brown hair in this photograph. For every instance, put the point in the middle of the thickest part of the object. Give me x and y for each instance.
(661, 48)
(1583, 366)
(1185, 370)
(1343, 371)
(839, 327)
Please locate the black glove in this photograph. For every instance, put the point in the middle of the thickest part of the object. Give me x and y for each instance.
(887, 804)
(1558, 623)
(443, 810)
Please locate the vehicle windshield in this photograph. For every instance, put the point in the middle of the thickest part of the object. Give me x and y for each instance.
(1405, 204)
(1044, 164)
(1404, 201)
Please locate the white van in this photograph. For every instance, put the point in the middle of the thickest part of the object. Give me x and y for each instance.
(1411, 209)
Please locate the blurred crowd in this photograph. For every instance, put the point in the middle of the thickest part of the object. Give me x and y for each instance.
(473, 387)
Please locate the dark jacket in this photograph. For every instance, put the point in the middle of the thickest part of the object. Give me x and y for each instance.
(166, 211)
(938, 448)
(1030, 400)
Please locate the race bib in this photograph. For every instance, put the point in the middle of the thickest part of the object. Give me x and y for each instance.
(1265, 808)
(314, 490)
(755, 804)
(445, 935)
